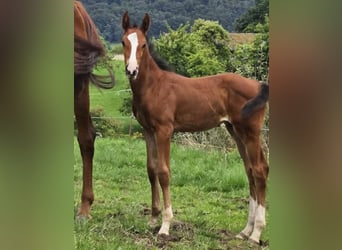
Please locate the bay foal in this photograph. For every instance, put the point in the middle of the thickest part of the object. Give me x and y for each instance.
(87, 49)
(164, 102)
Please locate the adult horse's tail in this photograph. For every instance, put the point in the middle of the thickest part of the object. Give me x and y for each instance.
(88, 48)
(257, 102)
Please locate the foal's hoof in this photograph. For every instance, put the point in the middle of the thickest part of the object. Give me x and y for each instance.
(82, 215)
(83, 212)
(153, 222)
(254, 241)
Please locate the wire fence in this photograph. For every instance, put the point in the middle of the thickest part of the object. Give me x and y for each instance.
(110, 92)
(214, 139)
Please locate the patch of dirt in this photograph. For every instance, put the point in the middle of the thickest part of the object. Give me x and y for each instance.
(179, 232)
(184, 232)
(145, 211)
(228, 241)
(226, 236)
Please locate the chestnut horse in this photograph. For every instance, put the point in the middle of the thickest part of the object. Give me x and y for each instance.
(87, 49)
(164, 102)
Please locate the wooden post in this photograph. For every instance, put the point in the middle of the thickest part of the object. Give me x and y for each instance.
(130, 124)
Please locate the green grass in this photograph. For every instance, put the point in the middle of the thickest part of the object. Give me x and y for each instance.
(208, 190)
(111, 99)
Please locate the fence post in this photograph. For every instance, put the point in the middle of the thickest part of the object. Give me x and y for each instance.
(130, 124)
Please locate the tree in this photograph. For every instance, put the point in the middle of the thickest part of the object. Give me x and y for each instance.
(199, 50)
(252, 60)
(173, 47)
(107, 13)
(254, 16)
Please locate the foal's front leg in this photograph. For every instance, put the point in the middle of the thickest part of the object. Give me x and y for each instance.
(152, 175)
(163, 140)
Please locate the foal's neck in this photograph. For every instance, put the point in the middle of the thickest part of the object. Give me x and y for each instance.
(149, 67)
(148, 73)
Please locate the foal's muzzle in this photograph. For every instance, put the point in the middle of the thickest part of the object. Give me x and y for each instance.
(132, 73)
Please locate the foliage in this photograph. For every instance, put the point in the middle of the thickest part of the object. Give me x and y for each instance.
(104, 126)
(105, 61)
(173, 46)
(126, 106)
(252, 60)
(107, 14)
(254, 16)
(199, 50)
(209, 198)
(204, 49)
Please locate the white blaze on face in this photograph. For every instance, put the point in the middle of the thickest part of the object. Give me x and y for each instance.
(132, 61)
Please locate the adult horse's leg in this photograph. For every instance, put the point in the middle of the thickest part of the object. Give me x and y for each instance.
(250, 137)
(152, 175)
(163, 140)
(245, 233)
(86, 138)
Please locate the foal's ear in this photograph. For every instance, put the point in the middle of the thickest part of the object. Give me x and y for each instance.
(125, 21)
(145, 25)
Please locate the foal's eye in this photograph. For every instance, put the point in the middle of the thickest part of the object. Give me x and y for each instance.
(143, 46)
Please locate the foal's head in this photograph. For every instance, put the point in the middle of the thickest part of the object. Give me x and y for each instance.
(134, 44)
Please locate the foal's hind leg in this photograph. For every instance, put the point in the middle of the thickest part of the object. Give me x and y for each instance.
(259, 169)
(152, 175)
(245, 233)
(260, 173)
(86, 138)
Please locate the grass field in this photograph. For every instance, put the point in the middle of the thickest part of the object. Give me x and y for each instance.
(111, 99)
(209, 196)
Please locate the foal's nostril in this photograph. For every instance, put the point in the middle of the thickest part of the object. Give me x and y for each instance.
(127, 71)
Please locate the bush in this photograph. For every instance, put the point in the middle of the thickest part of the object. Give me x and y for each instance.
(199, 50)
(104, 127)
(252, 60)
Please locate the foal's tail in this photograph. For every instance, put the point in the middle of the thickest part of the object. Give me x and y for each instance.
(257, 102)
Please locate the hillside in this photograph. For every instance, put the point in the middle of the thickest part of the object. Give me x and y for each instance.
(107, 13)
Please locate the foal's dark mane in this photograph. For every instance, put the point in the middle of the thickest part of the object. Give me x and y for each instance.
(161, 62)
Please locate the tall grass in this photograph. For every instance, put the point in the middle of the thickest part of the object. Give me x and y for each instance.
(208, 190)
